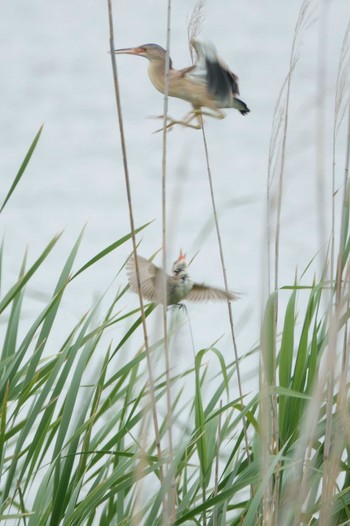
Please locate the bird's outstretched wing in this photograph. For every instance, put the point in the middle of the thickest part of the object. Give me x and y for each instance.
(209, 68)
(202, 292)
(150, 278)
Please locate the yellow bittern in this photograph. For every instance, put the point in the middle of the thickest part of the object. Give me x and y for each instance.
(179, 285)
(208, 83)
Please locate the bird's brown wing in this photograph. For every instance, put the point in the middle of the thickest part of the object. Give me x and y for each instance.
(233, 79)
(150, 276)
(221, 82)
(201, 292)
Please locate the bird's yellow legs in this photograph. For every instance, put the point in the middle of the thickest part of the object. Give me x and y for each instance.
(171, 122)
(196, 113)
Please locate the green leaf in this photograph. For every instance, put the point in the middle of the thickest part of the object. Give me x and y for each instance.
(268, 337)
(26, 277)
(108, 249)
(22, 168)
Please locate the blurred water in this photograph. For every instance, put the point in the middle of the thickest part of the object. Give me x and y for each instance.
(56, 69)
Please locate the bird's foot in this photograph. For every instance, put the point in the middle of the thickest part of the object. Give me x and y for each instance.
(180, 306)
(196, 113)
(172, 122)
(218, 115)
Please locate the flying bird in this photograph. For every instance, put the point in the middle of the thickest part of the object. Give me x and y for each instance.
(208, 83)
(179, 285)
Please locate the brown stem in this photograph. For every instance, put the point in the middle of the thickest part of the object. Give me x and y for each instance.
(133, 237)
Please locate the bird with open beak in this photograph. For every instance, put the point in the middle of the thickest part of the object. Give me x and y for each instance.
(179, 285)
(208, 83)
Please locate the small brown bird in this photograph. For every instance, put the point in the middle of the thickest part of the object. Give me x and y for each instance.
(179, 286)
(208, 83)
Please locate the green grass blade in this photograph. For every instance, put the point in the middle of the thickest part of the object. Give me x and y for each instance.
(22, 168)
(107, 250)
(26, 277)
(268, 338)
(285, 360)
(3, 417)
(9, 346)
(201, 439)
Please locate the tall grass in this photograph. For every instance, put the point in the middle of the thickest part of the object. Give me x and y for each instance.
(83, 428)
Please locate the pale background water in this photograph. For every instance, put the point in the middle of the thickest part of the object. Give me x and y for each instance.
(55, 69)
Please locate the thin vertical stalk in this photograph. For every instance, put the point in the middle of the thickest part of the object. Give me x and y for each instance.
(171, 500)
(332, 251)
(265, 405)
(320, 132)
(343, 226)
(331, 462)
(275, 431)
(332, 316)
(133, 237)
(222, 259)
(292, 62)
(329, 470)
(339, 110)
(331, 444)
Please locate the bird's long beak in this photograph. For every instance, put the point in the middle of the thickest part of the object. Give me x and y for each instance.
(182, 255)
(130, 51)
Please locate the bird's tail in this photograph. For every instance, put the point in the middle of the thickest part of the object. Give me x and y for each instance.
(240, 106)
